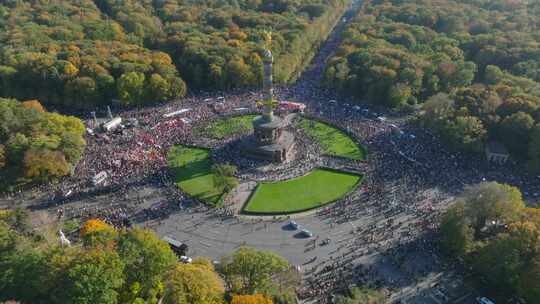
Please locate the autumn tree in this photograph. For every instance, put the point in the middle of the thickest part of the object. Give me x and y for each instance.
(465, 133)
(44, 164)
(509, 261)
(147, 260)
(92, 276)
(158, 88)
(37, 144)
(491, 201)
(131, 87)
(95, 231)
(33, 104)
(251, 299)
(194, 283)
(250, 271)
(437, 110)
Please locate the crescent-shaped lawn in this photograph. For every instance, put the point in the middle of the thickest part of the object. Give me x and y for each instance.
(316, 189)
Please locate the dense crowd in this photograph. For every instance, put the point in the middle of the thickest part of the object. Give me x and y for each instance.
(404, 164)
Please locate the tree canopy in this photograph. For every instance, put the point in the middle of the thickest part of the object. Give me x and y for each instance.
(492, 232)
(81, 54)
(483, 55)
(249, 271)
(128, 266)
(36, 145)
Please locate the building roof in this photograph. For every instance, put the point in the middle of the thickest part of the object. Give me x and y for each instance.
(496, 147)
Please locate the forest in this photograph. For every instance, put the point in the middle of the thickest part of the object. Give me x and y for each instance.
(505, 257)
(109, 265)
(36, 145)
(83, 54)
(469, 67)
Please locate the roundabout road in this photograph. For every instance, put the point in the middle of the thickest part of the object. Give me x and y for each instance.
(392, 244)
(208, 235)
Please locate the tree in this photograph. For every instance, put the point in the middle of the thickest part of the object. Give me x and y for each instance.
(2, 157)
(131, 87)
(456, 235)
(251, 299)
(514, 132)
(223, 176)
(8, 239)
(534, 150)
(24, 274)
(239, 73)
(72, 146)
(44, 164)
(250, 271)
(37, 144)
(158, 88)
(362, 295)
(33, 104)
(399, 94)
(195, 283)
(491, 201)
(148, 259)
(518, 103)
(16, 147)
(493, 74)
(93, 276)
(177, 87)
(81, 92)
(438, 108)
(528, 286)
(95, 231)
(18, 219)
(465, 133)
(511, 259)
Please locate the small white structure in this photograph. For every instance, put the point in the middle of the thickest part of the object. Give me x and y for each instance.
(112, 124)
(176, 113)
(496, 152)
(99, 178)
(63, 239)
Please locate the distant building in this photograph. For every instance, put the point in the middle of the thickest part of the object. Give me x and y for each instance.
(496, 152)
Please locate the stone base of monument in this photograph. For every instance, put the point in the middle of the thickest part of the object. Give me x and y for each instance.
(281, 150)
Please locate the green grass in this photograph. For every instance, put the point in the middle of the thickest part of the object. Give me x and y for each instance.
(227, 127)
(332, 140)
(319, 187)
(192, 170)
(71, 225)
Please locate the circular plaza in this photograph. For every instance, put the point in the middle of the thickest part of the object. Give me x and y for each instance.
(324, 165)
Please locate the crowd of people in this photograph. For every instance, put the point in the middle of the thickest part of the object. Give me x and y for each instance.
(404, 165)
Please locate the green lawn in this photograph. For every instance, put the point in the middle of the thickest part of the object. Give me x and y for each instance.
(319, 187)
(227, 127)
(332, 140)
(192, 170)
